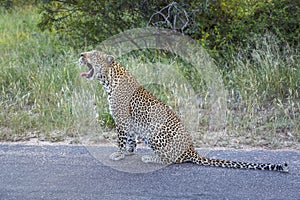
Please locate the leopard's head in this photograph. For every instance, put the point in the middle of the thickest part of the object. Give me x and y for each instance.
(98, 64)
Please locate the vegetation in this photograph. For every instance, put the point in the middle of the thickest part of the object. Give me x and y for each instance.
(255, 45)
(35, 85)
(218, 24)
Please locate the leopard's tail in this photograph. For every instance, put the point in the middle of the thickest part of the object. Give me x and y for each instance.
(197, 159)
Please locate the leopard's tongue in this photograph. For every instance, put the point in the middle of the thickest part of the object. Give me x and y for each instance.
(84, 74)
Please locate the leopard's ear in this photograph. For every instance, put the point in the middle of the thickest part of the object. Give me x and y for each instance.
(110, 58)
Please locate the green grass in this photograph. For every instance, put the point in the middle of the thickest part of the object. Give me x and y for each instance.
(37, 77)
(264, 93)
(43, 97)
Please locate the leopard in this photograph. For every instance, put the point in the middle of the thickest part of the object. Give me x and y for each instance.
(137, 112)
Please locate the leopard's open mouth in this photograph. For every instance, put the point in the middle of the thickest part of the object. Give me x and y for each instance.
(90, 73)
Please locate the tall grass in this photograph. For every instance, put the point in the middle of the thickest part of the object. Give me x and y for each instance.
(264, 83)
(37, 77)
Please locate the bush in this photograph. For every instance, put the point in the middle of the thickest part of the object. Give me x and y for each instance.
(219, 25)
(230, 23)
(10, 4)
(90, 22)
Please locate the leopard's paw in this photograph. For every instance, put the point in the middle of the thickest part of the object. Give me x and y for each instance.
(129, 151)
(151, 159)
(117, 156)
(147, 159)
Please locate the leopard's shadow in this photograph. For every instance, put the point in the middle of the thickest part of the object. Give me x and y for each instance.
(132, 163)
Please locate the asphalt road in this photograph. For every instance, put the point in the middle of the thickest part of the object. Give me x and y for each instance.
(74, 172)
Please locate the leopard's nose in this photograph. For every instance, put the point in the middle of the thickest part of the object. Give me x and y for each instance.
(81, 55)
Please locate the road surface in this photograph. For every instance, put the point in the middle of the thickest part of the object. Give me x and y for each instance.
(74, 172)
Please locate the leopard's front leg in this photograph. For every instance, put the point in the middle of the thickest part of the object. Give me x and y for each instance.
(122, 140)
(131, 143)
(126, 140)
